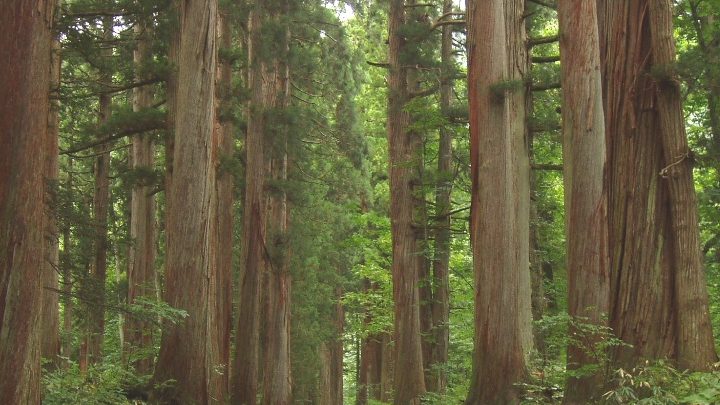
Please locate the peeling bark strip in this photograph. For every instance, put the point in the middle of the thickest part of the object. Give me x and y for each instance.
(408, 259)
(189, 350)
(24, 102)
(584, 161)
(499, 219)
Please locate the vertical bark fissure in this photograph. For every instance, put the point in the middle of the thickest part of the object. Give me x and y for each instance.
(409, 378)
(443, 188)
(225, 199)
(25, 39)
(499, 219)
(141, 255)
(584, 165)
(695, 345)
(51, 309)
(189, 350)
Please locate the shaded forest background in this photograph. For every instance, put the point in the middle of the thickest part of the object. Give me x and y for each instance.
(270, 202)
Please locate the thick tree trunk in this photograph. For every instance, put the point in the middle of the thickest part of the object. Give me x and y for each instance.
(443, 188)
(642, 258)
(265, 242)
(407, 257)
(141, 256)
(646, 309)
(51, 309)
(225, 200)
(25, 40)
(189, 350)
(499, 220)
(695, 346)
(584, 162)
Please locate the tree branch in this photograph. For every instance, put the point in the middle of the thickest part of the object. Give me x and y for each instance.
(130, 129)
(542, 40)
(546, 166)
(548, 4)
(546, 86)
(379, 64)
(546, 59)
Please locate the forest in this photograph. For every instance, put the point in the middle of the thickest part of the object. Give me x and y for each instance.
(361, 202)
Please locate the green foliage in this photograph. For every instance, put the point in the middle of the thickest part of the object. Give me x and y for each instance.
(152, 310)
(665, 74)
(102, 384)
(501, 89)
(660, 383)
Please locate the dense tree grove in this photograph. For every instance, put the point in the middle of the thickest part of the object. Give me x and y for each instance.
(360, 202)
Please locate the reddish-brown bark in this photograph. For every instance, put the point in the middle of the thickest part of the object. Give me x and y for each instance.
(500, 196)
(225, 188)
(51, 310)
(189, 349)
(265, 242)
(695, 346)
(646, 287)
(584, 164)
(441, 259)
(25, 41)
(277, 379)
(407, 257)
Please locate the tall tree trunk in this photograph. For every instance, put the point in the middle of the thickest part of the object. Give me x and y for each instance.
(189, 350)
(648, 288)
(261, 82)
(141, 257)
(25, 40)
(642, 261)
(537, 279)
(95, 287)
(500, 196)
(407, 257)
(277, 383)
(50, 345)
(225, 200)
(443, 188)
(584, 162)
(695, 346)
(67, 275)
